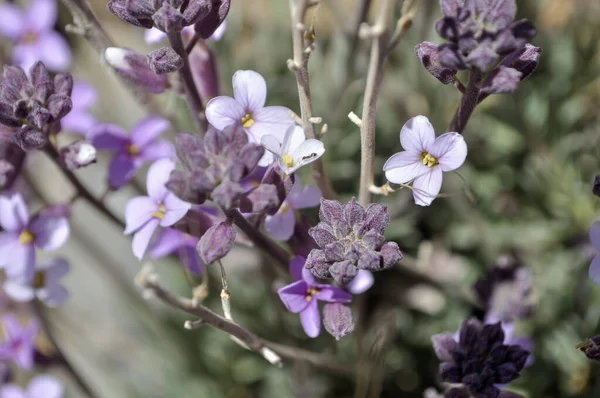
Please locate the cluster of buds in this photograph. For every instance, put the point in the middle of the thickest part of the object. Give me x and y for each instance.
(31, 109)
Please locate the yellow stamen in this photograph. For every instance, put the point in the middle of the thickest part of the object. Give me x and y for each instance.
(428, 159)
(25, 237)
(287, 160)
(310, 293)
(284, 208)
(160, 212)
(29, 37)
(247, 121)
(39, 280)
(133, 150)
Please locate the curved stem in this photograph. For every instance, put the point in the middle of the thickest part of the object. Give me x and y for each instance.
(468, 102)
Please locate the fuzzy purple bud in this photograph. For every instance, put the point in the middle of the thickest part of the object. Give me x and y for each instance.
(78, 154)
(204, 71)
(134, 68)
(260, 199)
(337, 319)
(216, 242)
(207, 25)
(164, 60)
(524, 60)
(429, 55)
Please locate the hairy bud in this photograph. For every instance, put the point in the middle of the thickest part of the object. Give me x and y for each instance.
(164, 60)
(337, 319)
(78, 154)
(134, 68)
(216, 242)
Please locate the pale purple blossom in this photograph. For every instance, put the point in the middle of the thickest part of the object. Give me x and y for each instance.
(302, 296)
(171, 241)
(45, 286)
(143, 214)
(32, 32)
(131, 151)
(80, 120)
(361, 283)
(295, 151)
(594, 271)
(22, 235)
(281, 225)
(247, 109)
(424, 159)
(19, 341)
(41, 386)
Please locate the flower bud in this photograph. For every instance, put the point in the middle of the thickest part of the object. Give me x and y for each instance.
(168, 18)
(29, 138)
(78, 154)
(210, 22)
(164, 60)
(337, 319)
(134, 68)
(63, 84)
(596, 188)
(262, 198)
(204, 71)
(216, 242)
(524, 60)
(428, 54)
(59, 105)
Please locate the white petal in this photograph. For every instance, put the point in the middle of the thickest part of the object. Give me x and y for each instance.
(450, 150)
(427, 186)
(417, 135)
(249, 89)
(18, 291)
(294, 137)
(403, 167)
(271, 144)
(309, 151)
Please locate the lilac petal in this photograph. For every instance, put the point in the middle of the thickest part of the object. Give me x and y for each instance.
(11, 327)
(176, 210)
(224, 111)
(266, 160)
(142, 237)
(158, 175)
(417, 135)
(309, 196)
(189, 258)
(13, 22)
(450, 150)
(78, 122)
(8, 240)
(273, 120)
(22, 263)
(594, 233)
(361, 282)
(427, 186)
(54, 270)
(138, 212)
(166, 242)
(83, 95)
(308, 277)
(54, 51)
(444, 345)
(311, 319)
(250, 90)
(25, 55)
(50, 232)
(147, 130)
(13, 213)
(44, 386)
(158, 150)
(41, 15)
(293, 296)
(154, 35)
(18, 292)
(53, 296)
(272, 144)
(403, 167)
(281, 225)
(595, 270)
(12, 391)
(108, 136)
(333, 294)
(121, 170)
(296, 267)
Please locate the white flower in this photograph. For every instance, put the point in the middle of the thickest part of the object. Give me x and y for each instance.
(295, 151)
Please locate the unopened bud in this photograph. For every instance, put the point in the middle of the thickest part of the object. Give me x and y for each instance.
(134, 68)
(429, 55)
(204, 71)
(216, 242)
(78, 154)
(29, 138)
(524, 60)
(337, 319)
(164, 60)
(210, 22)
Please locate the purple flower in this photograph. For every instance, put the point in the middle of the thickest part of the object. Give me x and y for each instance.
(302, 296)
(171, 241)
(80, 120)
(45, 286)
(595, 266)
(424, 159)
(143, 214)
(32, 31)
(281, 225)
(247, 109)
(21, 235)
(132, 151)
(19, 342)
(41, 386)
(295, 151)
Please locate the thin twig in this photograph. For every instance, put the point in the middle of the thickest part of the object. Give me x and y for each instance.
(468, 102)
(190, 46)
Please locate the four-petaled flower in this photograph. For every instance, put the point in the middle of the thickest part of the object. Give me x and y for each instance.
(131, 151)
(295, 151)
(21, 235)
(32, 31)
(80, 120)
(143, 214)
(41, 386)
(424, 159)
(19, 342)
(247, 109)
(302, 296)
(281, 225)
(45, 287)
(171, 241)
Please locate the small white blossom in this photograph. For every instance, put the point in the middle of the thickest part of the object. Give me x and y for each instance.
(295, 151)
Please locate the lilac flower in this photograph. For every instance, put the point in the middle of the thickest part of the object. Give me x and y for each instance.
(80, 120)
(171, 241)
(302, 296)
(295, 151)
(21, 235)
(41, 386)
(594, 271)
(248, 110)
(143, 214)
(45, 286)
(19, 342)
(132, 151)
(424, 159)
(281, 225)
(32, 32)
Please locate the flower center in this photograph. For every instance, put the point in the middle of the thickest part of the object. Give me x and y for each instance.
(247, 120)
(29, 38)
(284, 208)
(310, 293)
(132, 149)
(288, 161)
(428, 159)
(25, 237)
(39, 280)
(160, 211)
